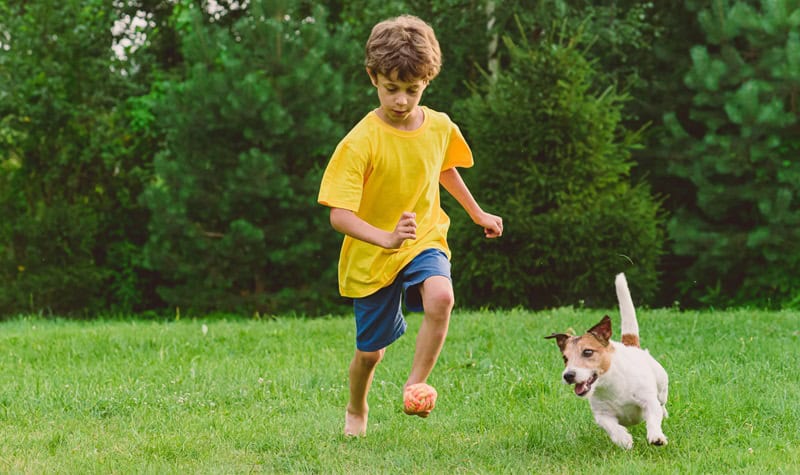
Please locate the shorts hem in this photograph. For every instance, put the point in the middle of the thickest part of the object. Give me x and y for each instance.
(389, 342)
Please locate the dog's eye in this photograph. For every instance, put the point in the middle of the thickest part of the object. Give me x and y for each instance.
(588, 353)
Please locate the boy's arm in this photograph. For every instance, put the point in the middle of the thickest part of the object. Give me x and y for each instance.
(346, 222)
(452, 182)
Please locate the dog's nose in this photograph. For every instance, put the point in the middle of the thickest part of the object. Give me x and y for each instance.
(569, 377)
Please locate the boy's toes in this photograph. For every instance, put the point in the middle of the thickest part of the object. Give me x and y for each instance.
(355, 425)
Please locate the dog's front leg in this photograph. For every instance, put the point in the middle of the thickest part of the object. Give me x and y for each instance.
(653, 416)
(618, 433)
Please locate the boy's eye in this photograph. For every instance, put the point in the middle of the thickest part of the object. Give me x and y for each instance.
(588, 353)
(393, 89)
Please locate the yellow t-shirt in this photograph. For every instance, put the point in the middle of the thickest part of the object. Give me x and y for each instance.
(378, 172)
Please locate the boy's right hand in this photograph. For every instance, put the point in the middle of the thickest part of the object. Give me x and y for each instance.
(406, 229)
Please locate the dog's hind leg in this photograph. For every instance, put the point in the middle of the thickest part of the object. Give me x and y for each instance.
(618, 433)
(663, 382)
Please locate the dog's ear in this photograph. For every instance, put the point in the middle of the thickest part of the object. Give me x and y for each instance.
(602, 331)
(561, 339)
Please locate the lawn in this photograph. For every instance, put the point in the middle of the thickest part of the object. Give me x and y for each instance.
(217, 395)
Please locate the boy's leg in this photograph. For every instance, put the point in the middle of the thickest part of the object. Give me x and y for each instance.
(379, 322)
(362, 370)
(437, 301)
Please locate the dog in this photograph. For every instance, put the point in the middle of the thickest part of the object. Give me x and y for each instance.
(624, 384)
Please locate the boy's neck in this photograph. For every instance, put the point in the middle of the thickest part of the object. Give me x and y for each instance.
(413, 122)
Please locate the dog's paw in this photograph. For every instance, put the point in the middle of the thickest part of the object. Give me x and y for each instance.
(623, 440)
(657, 439)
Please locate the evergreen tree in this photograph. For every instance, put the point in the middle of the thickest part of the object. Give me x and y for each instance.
(553, 159)
(69, 174)
(249, 128)
(740, 151)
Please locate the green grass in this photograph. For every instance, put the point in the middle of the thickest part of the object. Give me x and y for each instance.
(268, 396)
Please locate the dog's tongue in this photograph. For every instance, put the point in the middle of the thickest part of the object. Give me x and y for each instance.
(581, 389)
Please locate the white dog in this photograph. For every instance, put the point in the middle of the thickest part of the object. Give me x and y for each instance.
(624, 384)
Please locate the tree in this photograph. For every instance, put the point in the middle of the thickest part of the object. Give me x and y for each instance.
(739, 149)
(248, 130)
(554, 160)
(69, 181)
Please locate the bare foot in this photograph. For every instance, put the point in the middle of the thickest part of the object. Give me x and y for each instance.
(355, 425)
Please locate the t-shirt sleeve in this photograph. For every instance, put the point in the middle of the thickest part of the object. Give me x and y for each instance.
(343, 180)
(458, 153)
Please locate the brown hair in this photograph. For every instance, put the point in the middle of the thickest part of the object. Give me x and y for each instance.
(405, 44)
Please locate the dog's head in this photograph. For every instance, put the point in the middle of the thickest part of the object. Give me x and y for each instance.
(586, 357)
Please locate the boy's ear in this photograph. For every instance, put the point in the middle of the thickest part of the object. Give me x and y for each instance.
(372, 77)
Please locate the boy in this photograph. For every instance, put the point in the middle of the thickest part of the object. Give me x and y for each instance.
(382, 187)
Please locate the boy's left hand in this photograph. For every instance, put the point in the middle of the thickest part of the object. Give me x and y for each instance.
(492, 225)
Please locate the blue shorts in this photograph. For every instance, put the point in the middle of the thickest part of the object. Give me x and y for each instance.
(379, 317)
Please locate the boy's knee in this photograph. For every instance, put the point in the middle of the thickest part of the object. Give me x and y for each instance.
(369, 359)
(437, 296)
(445, 301)
(439, 300)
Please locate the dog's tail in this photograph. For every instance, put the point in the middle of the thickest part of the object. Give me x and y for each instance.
(630, 327)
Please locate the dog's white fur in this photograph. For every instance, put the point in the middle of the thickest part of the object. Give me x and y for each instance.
(625, 385)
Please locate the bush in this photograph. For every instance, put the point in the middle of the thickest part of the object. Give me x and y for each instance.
(554, 161)
(738, 151)
(68, 165)
(235, 225)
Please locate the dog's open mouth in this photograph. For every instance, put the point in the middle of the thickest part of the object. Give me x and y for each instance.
(581, 389)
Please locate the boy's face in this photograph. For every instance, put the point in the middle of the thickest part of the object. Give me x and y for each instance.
(399, 99)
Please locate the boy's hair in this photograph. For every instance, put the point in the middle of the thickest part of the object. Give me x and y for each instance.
(405, 44)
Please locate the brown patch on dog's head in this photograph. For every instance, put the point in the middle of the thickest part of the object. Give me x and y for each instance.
(602, 331)
(588, 351)
(586, 357)
(561, 339)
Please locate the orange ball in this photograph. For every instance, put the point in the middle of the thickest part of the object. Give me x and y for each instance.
(419, 397)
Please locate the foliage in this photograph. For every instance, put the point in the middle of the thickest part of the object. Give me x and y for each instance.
(739, 149)
(618, 35)
(248, 129)
(93, 97)
(69, 177)
(554, 160)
